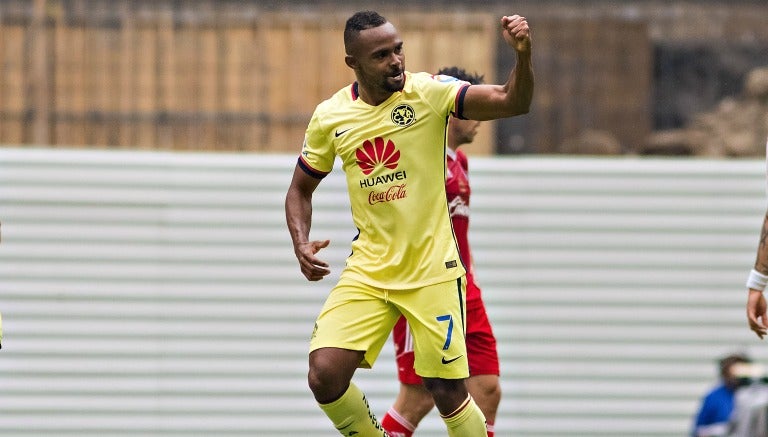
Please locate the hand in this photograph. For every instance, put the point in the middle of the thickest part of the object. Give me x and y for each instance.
(756, 313)
(516, 32)
(312, 267)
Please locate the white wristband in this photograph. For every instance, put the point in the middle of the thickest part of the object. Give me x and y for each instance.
(757, 280)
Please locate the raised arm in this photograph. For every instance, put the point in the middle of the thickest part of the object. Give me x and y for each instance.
(490, 102)
(298, 215)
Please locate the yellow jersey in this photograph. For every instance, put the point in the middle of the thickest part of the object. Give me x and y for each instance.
(393, 156)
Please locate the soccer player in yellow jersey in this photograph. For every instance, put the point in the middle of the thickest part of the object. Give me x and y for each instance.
(388, 129)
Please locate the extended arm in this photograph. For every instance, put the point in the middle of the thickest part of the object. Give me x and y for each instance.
(298, 215)
(490, 102)
(756, 305)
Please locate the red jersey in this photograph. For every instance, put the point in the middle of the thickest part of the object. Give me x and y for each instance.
(481, 343)
(458, 191)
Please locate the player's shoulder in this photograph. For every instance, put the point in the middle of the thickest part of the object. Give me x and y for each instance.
(343, 96)
(329, 111)
(444, 78)
(424, 79)
(430, 87)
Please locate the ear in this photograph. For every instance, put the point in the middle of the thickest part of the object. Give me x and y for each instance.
(350, 61)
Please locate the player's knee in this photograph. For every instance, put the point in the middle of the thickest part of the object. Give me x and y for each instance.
(487, 387)
(325, 385)
(323, 382)
(486, 391)
(492, 390)
(328, 378)
(491, 399)
(445, 388)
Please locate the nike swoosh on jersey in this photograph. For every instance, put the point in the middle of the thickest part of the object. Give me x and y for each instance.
(340, 133)
(451, 360)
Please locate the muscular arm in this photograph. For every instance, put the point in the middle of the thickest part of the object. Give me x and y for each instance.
(761, 261)
(756, 304)
(490, 102)
(298, 216)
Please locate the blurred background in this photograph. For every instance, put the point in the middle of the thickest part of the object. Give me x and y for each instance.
(147, 282)
(614, 77)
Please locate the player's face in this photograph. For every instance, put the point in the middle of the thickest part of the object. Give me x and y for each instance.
(464, 130)
(379, 61)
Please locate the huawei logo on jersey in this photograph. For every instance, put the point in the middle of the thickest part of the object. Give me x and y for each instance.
(376, 153)
(379, 154)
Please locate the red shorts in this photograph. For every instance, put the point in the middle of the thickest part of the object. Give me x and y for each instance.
(481, 345)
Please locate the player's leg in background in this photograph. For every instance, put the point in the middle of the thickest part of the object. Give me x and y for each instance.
(413, 402)
(486, 391)
(483, 384)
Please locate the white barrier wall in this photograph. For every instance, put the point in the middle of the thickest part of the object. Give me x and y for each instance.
(157, 294)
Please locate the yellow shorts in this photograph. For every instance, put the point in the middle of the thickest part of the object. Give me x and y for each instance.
(360, 317)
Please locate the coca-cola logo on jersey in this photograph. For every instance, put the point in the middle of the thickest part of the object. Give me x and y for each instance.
(381, 155)
(392, 193)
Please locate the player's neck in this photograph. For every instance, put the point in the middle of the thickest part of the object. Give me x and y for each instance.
(374, 98)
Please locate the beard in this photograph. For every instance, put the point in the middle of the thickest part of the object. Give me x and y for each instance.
(394, 83)
(393, 88)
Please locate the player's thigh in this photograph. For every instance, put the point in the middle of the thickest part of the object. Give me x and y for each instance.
(436, 316)
(357, 317)
(403, 341)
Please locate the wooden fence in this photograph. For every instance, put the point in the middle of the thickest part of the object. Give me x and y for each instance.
(235, 75)
(195, 75)
(591, 74)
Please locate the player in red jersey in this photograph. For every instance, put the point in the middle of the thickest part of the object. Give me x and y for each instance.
(414, 401)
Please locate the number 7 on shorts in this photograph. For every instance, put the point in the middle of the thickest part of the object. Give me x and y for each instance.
(449, 319)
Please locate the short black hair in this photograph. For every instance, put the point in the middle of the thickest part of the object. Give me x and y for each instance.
(462, 74)
(360, 21)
